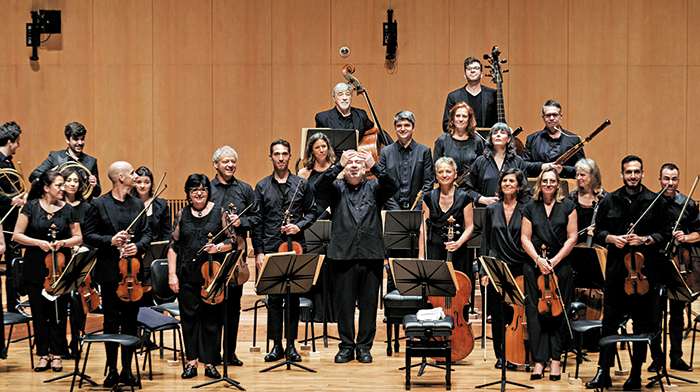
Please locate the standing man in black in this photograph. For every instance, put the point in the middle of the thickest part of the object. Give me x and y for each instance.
(275, 195)
(9, 143)
(357, 247)
(75, 138)
(343, 116)
(409, 163)
(227, 189)
(110, 216)
(617, 212)
(482, 99)
(686, 237)
(543, 147)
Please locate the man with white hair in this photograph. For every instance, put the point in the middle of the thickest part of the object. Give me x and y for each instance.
(343, 116)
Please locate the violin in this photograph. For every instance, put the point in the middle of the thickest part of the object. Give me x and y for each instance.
(549, 303)
(516, 332)
(129, 288)
(290, 245)
(241, 274)
(679, 254)
(209, 271)
(88, 295)
(55, 262)
(458, 307)
(497, 77)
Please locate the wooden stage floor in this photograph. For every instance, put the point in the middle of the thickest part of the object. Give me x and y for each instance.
(381, 375)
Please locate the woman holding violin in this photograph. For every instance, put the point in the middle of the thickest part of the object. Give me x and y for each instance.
(501, 240)
(439, 205)
(588, 193)
(461, 142)
(188, 253)
(499, 155)
(48, 227)
(548, 235)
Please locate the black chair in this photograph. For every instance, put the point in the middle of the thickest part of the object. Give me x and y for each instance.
(151, 321)
(306, 309)
(396, 307)
(421, 343)
(13, 319)
(77, 321)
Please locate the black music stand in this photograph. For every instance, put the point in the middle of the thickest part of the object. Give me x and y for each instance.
(402, 232)
(217, 286)
(287, 273)
(434, 278)
(74, 274)
(502, 279)
(674, 288)
(157, 250)
(341, 139)
(474, 242)
(585, 275)
(318, 238)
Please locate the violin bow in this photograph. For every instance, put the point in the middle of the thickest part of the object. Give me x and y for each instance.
(214, 238)
(647, 210)
(685, 206)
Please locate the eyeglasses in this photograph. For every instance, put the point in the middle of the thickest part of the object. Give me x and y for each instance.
(552, 115)
(198, 190)
(476, 68)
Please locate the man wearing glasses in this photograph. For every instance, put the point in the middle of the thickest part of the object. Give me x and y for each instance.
(480, 98)
(542, 148)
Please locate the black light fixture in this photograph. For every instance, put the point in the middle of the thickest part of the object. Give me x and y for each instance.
(390, 36)
(43, 22)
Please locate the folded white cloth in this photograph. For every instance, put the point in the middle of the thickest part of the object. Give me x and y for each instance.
(430, 314)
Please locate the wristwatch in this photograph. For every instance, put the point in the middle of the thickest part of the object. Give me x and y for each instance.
(647, 240)
(218, 248)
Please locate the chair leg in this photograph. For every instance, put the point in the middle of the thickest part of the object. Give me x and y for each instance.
(397, 343)
(448, 365)
(408, 365)
(692, 347)
(138, 373)
(388, 338)
(313, 336)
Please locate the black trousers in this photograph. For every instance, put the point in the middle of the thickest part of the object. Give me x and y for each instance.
(357, 281)
(119, 317)
(276, 319)
(233, 314)
(546, 333)
(10, 292)
(675, 331)
(49, 334)
(201, 325)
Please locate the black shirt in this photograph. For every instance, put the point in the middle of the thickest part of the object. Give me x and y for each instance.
(541, 148)
(437, 221)
(501, 239)
(464, 152)
(690, 222)
(484, 177)
(241, 195)
(549, 230)
(584, 214)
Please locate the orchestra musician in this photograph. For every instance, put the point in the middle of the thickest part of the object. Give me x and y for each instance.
(111, 214)
(481, 98)
(158, 212)
(550, 220)
(277, 196)
(10, 133)
(75, 138)
(439, 205)
(687, 236)
(543, 147)
(588, 193)
(226, 189)
(460, 142)
(499, 155)
(343, 115)
(501, 240)
(45, 211)
(201, 322)
(356, 247)
(409, 163)
(319, 156)
(618, 211)
(74, 186)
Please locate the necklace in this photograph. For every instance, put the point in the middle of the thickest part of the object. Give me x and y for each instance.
(199, 211)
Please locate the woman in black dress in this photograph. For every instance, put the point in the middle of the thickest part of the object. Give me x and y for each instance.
(501, 240)
(588, 193)
(439, 205)
(45, 209)
(319, 156)
(201, 322)
(159, 212)
(499, 155)
(550, 220)
(461, 142)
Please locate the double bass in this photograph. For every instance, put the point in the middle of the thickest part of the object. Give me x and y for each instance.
(497, 77)
(458, 307)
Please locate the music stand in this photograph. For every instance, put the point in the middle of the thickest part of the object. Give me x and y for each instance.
(502, 279)
(287, 273)
(474, 242)
(157, 250)
(402, 232)
(217, 286)
(341, 139)
(674, 288)
(74, 274)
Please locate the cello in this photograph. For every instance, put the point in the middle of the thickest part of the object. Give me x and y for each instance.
(458, 307)
(516, 332)
(497, 77)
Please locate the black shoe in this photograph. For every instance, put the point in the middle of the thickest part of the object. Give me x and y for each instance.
(654, 367)
(632, 384)
(344, 355)
(499, 364)
(190, 372)
(45, 367)
(534, 376)
(509, 365)
(363, 355)
(112, 379)
(127, 378)
(294, 355)
(211, 372)
(601, 380)
(275, 354)
(234, 361)
(679, 364)
(553, 377)
(58, 368)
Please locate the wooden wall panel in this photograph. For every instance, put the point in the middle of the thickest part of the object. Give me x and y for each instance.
(182, 32)
(74, 46)
(422, 31)
(693, 33)
(360, 29)
(691, 142)
(597, 32)
(487, 26)
(659, 32)
(529, 88)
(242, 31)
(182, 115)
(12, 31)
(537, 32)
(124, 32)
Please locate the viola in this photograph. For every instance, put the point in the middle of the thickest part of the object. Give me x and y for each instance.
(635, 282)
(55, 262)
(458, 307)
(89, 296)
(549, 303)
(680, 255)
(516, 332)
(129, 288)
(209, 271)
(241, 274)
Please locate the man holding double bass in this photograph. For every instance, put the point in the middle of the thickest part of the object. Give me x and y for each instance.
(111, 215)
(617, 214)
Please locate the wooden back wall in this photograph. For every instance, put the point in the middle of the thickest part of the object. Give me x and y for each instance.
(164, 83)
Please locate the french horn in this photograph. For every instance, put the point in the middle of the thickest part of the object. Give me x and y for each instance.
(80, 168)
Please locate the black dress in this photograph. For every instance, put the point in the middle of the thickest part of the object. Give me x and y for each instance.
(584, 214)
(437, 227)
(546, 333)
(50, 334)
(464, 152)
(485, 175)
